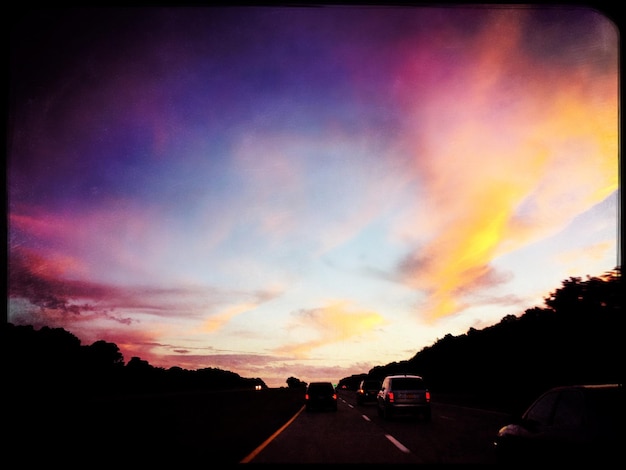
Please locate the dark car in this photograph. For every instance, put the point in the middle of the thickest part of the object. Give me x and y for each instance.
(404, 395)
(367, 391)
(320, 396)
(568, 424)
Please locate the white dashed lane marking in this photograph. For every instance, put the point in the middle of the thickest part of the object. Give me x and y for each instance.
(397, 444)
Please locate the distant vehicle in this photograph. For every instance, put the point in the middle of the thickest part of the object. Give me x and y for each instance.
(404, 395)
(320, 396)
(568, 424)
(367, 391)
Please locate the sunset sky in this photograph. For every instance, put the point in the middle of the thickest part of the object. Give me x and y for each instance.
(305, 192)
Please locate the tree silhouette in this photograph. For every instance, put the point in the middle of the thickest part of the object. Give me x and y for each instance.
(293, 382)
(103, 355)
(577, 337)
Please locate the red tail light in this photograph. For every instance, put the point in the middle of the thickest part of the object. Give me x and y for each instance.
(334, 396)
(306, 396)
(390, 395)
(427, 395)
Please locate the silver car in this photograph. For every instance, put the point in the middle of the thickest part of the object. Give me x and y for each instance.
(404, 395)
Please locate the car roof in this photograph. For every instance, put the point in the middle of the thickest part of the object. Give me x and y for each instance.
(586, 386)
(402, 376)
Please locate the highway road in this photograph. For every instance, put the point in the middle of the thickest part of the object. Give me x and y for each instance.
(232, 427)
(356, 434)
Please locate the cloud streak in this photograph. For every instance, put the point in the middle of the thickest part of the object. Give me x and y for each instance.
(336, 322)
(539, 153)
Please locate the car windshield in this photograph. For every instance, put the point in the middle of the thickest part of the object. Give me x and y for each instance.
(370, 385)
(408, 384)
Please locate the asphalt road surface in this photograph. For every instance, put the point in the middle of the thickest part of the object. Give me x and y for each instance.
(189, 430)
(356, 434)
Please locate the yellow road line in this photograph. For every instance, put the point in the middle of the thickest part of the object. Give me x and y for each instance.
(256, 451)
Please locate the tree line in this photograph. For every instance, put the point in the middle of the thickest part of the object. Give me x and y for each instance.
(52, 362)
(576, 338)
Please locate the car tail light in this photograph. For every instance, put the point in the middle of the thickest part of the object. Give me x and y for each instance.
(390, 395)
(306, 396)
(427, 395)
(334, 396)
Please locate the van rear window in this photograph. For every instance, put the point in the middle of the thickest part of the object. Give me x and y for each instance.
(408, 384)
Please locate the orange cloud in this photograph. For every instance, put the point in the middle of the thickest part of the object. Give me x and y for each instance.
(217, 321)
(334, 323)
